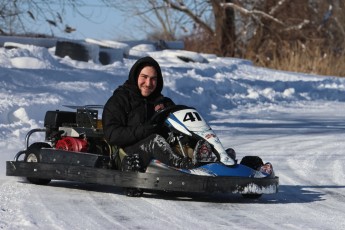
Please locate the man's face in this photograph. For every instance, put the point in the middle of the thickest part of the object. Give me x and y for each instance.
(147, 80)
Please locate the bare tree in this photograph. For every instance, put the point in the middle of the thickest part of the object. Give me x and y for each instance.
(244, 28)
(216, 22)
(155, 17)
(222, 31)
(259, 30)
(171, 19)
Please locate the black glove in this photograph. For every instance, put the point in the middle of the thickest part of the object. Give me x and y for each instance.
(162, 103)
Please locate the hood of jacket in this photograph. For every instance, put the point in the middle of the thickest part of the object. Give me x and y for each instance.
(132, 82)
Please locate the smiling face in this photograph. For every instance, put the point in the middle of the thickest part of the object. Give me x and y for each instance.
(147, 80)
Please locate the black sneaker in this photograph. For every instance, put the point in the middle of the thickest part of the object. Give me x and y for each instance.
(183, 163)
(131, 163)
(186, 163)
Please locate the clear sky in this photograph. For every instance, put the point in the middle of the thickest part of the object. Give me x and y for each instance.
(100, 22)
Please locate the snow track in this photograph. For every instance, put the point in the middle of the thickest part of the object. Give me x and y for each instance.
(295, 121)
(311, 196)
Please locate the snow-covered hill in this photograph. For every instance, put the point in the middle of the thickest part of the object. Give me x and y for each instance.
(295, 121)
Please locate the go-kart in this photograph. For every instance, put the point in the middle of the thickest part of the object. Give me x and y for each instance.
(75, 149)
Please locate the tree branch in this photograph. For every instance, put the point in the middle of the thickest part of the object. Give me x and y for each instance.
(298, 26)
(195, 18)
(276, 7)
(252, 12)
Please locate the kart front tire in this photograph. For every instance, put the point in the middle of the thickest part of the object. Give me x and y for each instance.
(231, 153)
(32, 154)
(252, 196)
(133, 192)
(253, 162)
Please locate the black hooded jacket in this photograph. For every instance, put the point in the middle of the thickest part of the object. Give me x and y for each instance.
(127, 113)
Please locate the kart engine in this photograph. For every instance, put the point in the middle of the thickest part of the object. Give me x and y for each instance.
(76, 131)
(72, 144)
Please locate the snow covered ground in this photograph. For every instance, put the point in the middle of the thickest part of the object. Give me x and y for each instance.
(295, 121)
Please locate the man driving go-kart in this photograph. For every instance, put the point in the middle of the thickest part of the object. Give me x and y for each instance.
(127, 121)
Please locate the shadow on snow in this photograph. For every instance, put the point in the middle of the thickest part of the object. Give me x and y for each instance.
(287, 193)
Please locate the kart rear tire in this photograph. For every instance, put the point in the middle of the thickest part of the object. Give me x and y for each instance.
(253, 162)
(32, 154)
(74, 50)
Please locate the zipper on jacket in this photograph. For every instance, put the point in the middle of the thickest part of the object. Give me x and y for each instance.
(145, 101)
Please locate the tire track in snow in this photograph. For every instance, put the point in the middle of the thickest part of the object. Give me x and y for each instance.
(11, 193)
(224, 210)
(106, 207)
(90, 206)
(309, 175)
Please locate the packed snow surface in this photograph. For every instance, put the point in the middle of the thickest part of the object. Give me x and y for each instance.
(294, 121)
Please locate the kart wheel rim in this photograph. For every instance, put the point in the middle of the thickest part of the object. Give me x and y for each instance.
(32, 158)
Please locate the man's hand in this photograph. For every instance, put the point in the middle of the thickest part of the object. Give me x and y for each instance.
(159, 107)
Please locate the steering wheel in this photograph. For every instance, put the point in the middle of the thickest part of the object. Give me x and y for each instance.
(160, 115)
